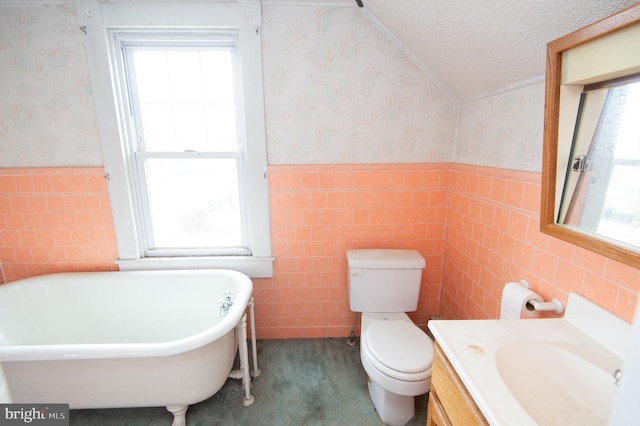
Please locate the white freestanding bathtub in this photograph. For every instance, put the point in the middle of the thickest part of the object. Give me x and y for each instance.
(121, 339)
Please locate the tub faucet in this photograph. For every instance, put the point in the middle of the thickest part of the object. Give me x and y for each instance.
(617, 375)
(226, 303)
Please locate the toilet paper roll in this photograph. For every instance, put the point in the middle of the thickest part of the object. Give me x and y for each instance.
(514, 301)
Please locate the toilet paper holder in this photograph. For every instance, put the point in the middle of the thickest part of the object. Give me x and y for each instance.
(554, 305)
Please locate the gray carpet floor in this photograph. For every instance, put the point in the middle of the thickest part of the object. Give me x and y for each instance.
(303, 382)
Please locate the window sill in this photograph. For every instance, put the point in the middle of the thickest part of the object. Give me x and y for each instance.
(253, 267)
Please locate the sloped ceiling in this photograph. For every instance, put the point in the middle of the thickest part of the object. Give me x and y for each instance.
(476, 48)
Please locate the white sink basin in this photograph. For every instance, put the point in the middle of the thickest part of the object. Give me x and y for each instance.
(555, 386)
(555, 371)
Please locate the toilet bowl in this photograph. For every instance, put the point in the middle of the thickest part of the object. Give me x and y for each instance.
(397, 357)
(395, 353)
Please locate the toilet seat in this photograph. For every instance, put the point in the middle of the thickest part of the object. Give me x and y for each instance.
(399, 349)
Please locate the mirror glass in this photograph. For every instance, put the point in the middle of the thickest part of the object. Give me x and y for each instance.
(591, 154)
(601, 190)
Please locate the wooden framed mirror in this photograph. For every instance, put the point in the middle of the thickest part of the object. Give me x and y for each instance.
(592, 86)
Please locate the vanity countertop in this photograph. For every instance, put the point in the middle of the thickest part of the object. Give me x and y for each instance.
(482, 352)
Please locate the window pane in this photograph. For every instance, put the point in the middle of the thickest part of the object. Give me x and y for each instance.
(218, 90)
(221, 127)
(158, 125)
(621, 214)
(152, 76)
(194, 203)
(186, 98)
(191, 132)
(185, 75)
(628, 143)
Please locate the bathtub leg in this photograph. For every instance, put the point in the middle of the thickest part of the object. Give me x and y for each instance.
(179, 414)
(256, 371)
(244, 363)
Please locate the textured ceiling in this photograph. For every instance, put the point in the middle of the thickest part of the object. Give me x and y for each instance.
(475, 48)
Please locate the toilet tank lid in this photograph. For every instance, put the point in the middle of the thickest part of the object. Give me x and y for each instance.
(385, 259)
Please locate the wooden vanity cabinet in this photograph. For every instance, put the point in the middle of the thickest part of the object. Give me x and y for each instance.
(449, 400)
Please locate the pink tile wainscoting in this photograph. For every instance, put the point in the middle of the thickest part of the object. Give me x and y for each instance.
(492, 237)
(318, 212)
(55, 220)
(476, 226)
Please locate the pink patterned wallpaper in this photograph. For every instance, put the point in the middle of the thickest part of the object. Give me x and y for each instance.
(47, 115)
(503, 131)
(339, 89)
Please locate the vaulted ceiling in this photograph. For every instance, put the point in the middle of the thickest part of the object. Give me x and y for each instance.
(475, 48)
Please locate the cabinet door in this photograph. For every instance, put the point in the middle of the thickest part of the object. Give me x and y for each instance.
(451, 393)
(436, 415)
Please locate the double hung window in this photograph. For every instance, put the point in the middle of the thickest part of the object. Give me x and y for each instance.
(186, 142)
(187, 173)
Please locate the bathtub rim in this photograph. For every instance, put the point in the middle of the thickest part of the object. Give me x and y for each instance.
(136, 350)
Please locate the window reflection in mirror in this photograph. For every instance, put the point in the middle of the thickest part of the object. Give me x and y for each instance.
(601, 194)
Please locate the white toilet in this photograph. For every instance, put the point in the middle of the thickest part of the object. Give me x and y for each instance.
(395, 353)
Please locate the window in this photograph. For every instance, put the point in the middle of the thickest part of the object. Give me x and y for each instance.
(181, 118)
(600, 194)
(187, 144)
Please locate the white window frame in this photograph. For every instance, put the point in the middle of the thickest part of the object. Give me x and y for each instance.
(99, 21)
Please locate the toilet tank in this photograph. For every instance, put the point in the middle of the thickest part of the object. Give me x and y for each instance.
(384, 280)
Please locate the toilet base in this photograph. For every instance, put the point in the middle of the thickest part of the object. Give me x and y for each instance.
(393, 409)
